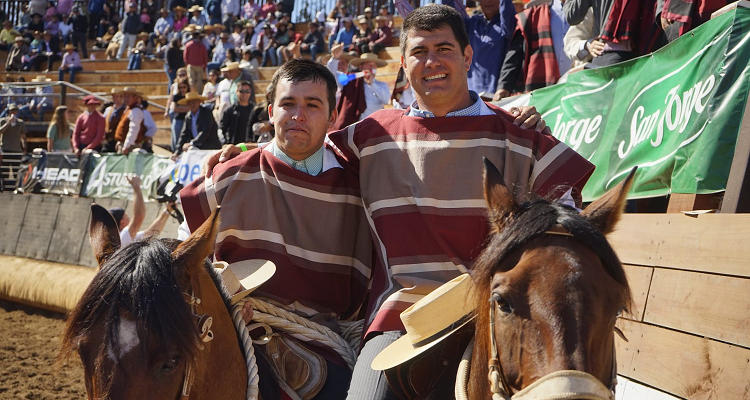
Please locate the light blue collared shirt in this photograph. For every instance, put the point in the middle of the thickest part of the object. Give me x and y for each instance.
(470, 111)
(312, 165)
(559, 27)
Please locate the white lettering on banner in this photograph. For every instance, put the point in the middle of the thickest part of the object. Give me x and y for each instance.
(54, 174)
(679, 110)
(580, 130)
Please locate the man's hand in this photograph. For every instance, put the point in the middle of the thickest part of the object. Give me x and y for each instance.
(134, 181)
(500, 94)
(337, 50)
(595, 47)
(528, 118)
(666, 22)
(226, 153)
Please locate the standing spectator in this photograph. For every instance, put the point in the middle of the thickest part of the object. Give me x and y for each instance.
(60, 131)
(40, 103)
(196, 60)
(66, 29)
(178, 112)
(200, 129)
(382, 37)
(173, 59)
(489, 36)
(580, 46)
(37, 7)
(8, 35)
(235, 123)
(89, 129)
(131, 131)
(213, 11)
(136, 53)
(163, 26)
(151, 128)
(12, 132)
(71, 61)
(131, 26)
(313, 43)
(80, 29)
(233, 75)
(376, 93)
(112, 116)
(96, 9)
(152, 10)
(618, 47)
(536, 55)
(196, 16)
(230, 7)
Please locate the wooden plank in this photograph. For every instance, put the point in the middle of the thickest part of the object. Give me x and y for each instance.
(707, 305)
(737, 196)
(715, 243)
(631, 390)
(685, 365)
(679, 202)
(639, 279)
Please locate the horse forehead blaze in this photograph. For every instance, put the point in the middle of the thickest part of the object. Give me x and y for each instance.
(127, 337)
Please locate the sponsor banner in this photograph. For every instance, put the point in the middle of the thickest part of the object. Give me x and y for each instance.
(188, 167)
(675, 113)
(56, 173)
(108, 174)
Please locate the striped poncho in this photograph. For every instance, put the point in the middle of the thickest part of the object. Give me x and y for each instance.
(312, 227)
(422, 189)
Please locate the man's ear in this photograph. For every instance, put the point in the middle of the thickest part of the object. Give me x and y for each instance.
(270, 111)
(468, 55)
(403, 64)
(332, 118)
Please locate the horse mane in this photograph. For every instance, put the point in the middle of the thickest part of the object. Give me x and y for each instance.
(532, 219)
(142, 280)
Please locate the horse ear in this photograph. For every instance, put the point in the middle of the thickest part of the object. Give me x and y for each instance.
(103, 234)
(499, 199)
(200, 244)
(606, 210)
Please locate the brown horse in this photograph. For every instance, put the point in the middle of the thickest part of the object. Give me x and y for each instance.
(154, 323)
(549, 289)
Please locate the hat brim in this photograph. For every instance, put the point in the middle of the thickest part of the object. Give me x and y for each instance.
(255, 273)
(402, 350)
(380, 63)
(135, 92)
(184, 101)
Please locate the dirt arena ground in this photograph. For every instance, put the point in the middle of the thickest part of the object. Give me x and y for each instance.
(29, 343)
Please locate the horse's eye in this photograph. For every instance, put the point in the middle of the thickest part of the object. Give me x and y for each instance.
(171, 364)
(502, 304)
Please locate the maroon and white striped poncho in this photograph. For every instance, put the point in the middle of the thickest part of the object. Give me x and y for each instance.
(423, 192)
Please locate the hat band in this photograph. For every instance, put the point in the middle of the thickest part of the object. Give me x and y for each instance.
(444, 331)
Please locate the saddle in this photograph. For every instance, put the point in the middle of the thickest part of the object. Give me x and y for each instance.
(300, 368)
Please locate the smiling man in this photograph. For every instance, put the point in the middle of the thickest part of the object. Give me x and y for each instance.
(291, 202)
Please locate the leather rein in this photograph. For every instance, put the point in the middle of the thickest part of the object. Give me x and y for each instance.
(206, 335)
(567, 384)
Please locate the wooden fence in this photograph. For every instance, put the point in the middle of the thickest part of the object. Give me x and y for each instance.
(689, 332)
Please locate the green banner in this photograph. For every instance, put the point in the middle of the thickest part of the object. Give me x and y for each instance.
(107, 176)
(675, 113)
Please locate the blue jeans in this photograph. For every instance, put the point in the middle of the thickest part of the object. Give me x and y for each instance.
(25, 113)
(170, 75)
(134, 62)
(176, 130)
(73, 70)
(269, 55)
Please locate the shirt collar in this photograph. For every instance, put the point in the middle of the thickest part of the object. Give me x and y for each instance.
(312, 165)
(473, 110)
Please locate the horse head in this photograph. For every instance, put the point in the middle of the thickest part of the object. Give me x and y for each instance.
(549, 289)
(154, 322)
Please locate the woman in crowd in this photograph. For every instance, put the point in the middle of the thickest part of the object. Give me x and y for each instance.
(173, 60)
(281, 39)
(178, 112)
(136, 53)
(59, 131)
(209, 89)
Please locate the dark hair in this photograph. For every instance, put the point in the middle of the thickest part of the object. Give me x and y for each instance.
(431, 18)
(118, 213)
(244, 83)
(301, 70)
(184, 81)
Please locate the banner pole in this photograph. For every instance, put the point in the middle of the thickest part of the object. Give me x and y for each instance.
(737, 195)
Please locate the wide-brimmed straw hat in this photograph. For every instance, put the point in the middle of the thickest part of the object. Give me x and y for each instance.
(69, 47)
(179, 8)
(195, 8)
(429, 321)
(131, 90)
(41, 78)
(115, 91)
(222, 27)
(242, 278)
(190, 96)
(19, 39)
(12, 107)
(369, 57)
(231, 66)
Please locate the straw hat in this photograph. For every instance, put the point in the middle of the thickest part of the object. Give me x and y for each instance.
(19, 39)
(143, 34)
(242, 278)
(41, 78)
(369, 57)
(231, 66)
(12, 107)
(131, 90)
(195, 8)
(190, 96)
(429, 321)
(179, 8)
(114, 91)
(69, 47)
(220, 26)
(367, 9)
(381, 18)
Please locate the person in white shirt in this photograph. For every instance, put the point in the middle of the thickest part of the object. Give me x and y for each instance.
(129, 228)
(377, 93)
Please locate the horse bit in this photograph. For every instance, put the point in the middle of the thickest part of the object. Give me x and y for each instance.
(206, 335)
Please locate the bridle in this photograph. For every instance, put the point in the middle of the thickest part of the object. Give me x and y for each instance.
(559, 385)
(204, 322)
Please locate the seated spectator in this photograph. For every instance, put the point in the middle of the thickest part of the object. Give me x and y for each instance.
(345, 35)
(113, 47)
(163, 25)
(267, 8)
(178, 112)
(313, 42)
(196, 16)
(80, 31)
(60, 131)
(180, 20)
(209, 89)
(387, 15)
(40, 103)
(200, 130)
(137, 52)
(382, 37)
(71, 62)
(50, 50)
(66, 29)
(219, 55)
(238, 36)
(368, 18)
(8, 35)
(35, 49)
(103, 41)
(361, 40)
(53, 25)
(265, 46)
(49, 12)
(249, 64)
(108, 18)
(150, 125)
(64, 7)
(36, 24)
(281, 40)
(161, 46)
(38, 7)
(15, 55)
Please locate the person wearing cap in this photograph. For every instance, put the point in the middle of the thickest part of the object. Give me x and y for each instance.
(112, 116)
(196, 16)
(196, 60)
(88, 133)
(301, 199)
(16, 53)
(130, 26)
(220, 52)
(71, 62)
(345, 35)
(12, 132)
(8, 35)
(131, 130)
(80, 30)
(40, 103)
(200, 129)
(375, 93)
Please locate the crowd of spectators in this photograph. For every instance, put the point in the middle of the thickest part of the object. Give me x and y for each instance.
(212, 50)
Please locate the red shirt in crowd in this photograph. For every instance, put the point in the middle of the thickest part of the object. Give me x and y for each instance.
(89, 130)
(195, 53)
